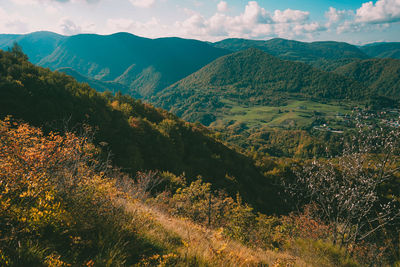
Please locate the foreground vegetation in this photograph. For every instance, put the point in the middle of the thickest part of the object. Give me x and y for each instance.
(62, 206)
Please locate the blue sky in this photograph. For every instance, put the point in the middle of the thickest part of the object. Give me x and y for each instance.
(353, 21)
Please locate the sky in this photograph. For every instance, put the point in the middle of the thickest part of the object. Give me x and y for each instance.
(352, 21)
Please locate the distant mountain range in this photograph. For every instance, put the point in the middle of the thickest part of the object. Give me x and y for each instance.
(37, 45)
(143, 67)
(382, 50)
(295, 50)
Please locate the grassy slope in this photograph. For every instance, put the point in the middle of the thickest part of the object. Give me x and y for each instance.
(299, 111)
(198, 245)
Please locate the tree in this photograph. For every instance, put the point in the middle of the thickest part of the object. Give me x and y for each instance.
(348, 190)
(17, 51)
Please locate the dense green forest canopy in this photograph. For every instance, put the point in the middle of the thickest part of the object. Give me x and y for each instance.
(382, 50)
(381, 76)
(295, 50)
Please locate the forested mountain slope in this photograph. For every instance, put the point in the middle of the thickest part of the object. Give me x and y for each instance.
(251, 77)
(325, 55)
(381, 76)
(36, 45)
(382, 50)
(144, 65)
(99, 85)
(139, 136)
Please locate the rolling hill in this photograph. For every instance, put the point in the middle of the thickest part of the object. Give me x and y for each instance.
(100, 86)
(36, 45)
(248, 78)
(324, 55)
(381, 76)
(144, 65)
(382, 50)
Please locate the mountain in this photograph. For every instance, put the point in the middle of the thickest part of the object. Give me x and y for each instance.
(315, 53)
(382, 50)
(36, 45)
(250, 77)
(138, 136)
(381, 76)
(144, 65)
(100, 86)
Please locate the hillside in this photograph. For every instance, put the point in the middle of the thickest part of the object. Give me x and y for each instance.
(382, 50)
(382, 76)
(36, 45)
(318, 54)
(62, 207)
(139, 136)
(144, 65)
(98, 85)
(248, 78)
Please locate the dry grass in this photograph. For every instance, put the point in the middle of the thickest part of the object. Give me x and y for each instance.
(207, 247)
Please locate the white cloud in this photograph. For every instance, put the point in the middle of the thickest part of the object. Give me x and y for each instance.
(222, 6)
(253, 13)
(68, 27)
(335, 16)
(253, 22)
(369, 17)
(12, 23)
(383, 11)
(25, 2)
(152, 28)
(308, 28)
(290, 15)
(47, 2)
(142, 3)
(348, 26)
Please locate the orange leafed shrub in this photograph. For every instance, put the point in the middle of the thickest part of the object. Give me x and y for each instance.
(54, 197)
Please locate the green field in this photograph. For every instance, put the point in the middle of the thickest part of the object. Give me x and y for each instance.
(296, 114)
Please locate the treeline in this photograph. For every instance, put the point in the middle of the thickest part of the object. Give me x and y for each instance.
(300, 144)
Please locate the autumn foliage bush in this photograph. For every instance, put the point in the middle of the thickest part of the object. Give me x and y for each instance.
(57, 206)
